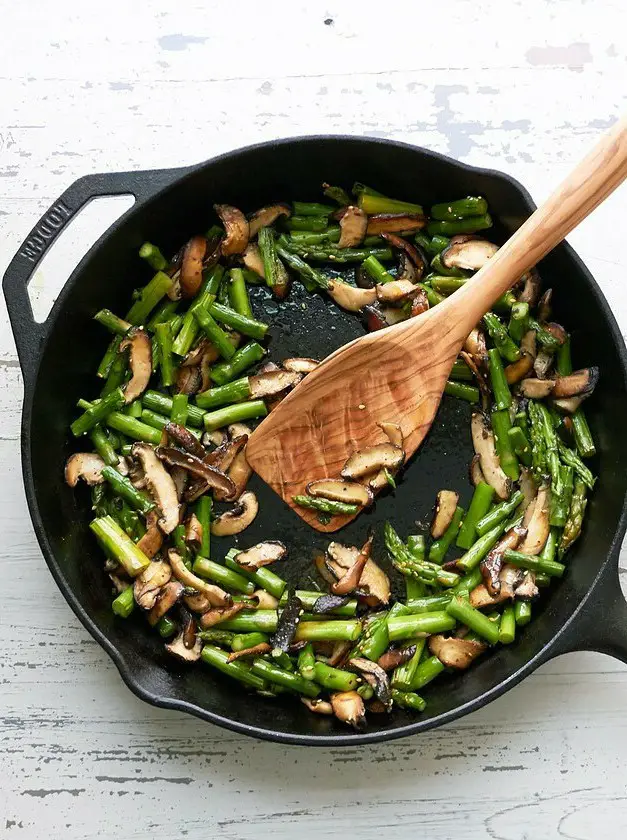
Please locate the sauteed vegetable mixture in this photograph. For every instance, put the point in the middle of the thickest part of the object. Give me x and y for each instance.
(185, 376)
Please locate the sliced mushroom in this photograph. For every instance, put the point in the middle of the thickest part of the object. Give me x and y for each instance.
(180, 477)
(373, 582)
(475, 471)
(483, 442)
(152, 540)
(542, 364)
(556, 330)
(197, 603)
(413, 254)
(395, 291)
(137, 342)
(579, 384)
(475, 344)
(352, 576)
(188, 627)
(395, 223)
(160, 485)
(179, 649)
(528, 343)
(536, 389)
(217, 597)
(223, 456)
(341, 491)
(375, 676)
(266, 216)
(219, 614)
(393, 433)
(527, 589)
(350, 297)
(394, 657)
(209, 474)
(260, 555)
(445, 507)
(193, 531)
(185, 439)
(349, 708)
(189, 380)
(372, 459)
(252, 259)
(214, 438)
(274, 382)
(300, 365)
(406, 270)
(470, 255)
(544, 306)
(236, 227)
(257, 650)
(353, 226)
(149, 583)
(492, 564)
(419, 303)
(519, 369)
(538, 527)
(509, 577)
(264, 600)
(531, 287)
(192, 265)
(167, 597)
(318, 707)
(455, 653)
(237, 519)
(528, 488)
(569, 405)
(375, 318)
(240, 472)
(472, 363)
(85, 465)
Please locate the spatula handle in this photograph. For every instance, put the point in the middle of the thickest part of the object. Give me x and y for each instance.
(598, 175)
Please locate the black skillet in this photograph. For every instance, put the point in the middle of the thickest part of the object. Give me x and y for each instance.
(583, 611)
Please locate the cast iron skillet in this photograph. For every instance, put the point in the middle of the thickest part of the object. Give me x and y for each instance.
(583, 611)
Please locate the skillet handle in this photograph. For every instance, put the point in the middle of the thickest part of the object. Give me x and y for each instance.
(601, 622)
(30, 335)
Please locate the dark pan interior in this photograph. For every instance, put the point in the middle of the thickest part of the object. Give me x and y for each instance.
(306, 325)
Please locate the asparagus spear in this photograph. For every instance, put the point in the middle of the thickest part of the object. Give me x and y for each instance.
(97, 411)
(325, 505)
(227, 578)
(572, 527)
(462, 391)
(239, 362)
(426, 672)
(149, 297)
(408, 700)
(335, 679)
(499, 513)
(438, 549)
(273, 674)
(117, 544)
(533, 563)
(412, 626)
(124, 604)
(123, 487)
(153, 256)
(234, 414)
(463, 208)
(162, 404)
(479, 506)
(500, 337)
(455, 227)
(460, 609)
(238, 670)
(238, 293)
(116, 325)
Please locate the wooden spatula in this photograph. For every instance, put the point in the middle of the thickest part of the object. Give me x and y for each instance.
(398, 374)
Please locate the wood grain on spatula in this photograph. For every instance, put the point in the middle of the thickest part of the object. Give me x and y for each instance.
(398, 374)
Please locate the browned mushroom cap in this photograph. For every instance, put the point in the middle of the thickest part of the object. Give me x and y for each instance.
(569, 405)
(318, 707)
(266, 216)
(185, 439)
(195, 356)
(483, 442)
(349, 708)
(179, 649)
(519, 369)
(475, 344)
(341, 491)
(209, 474)
(353, 226)
(395, 223)
(217, 597)
(261, 554)
(252, 259)
(197, 603)
(373, 581)
(531, 287)
(189, 380)
(350, 297)
(376, 677)
(542, 364)
(536, 389)
(237, 519)
(137, 342)
(220, 614)
(152, 540)
(352, 576)
(445, 507)
(392, 658)
(538, 526)
(492, 564)
(191, 266)
(160, 485)
(395, 291)
(256, 650)
(455, 653)
(544, 306)
(372, 459)
(557, 331)
(419, 303)
(149, 583)
(193, 531)
(180, 478)
(393, 432)
(411, 252)
(85, 465)
(188, 627)
(168, 596)
(579, 384)
(236, 227)
(214, 438)
(470, 255)
(527, 589)
(475, 472)
(271, 383)
(300, 365)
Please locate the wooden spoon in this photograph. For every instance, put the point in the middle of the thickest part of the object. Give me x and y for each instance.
(398, 374)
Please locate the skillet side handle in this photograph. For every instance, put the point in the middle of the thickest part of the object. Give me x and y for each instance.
(29, 335)
(601, 623)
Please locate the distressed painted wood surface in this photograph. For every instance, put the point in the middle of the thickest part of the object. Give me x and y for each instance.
(520, 86)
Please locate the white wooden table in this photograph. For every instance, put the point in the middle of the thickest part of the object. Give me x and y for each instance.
(520, 86)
